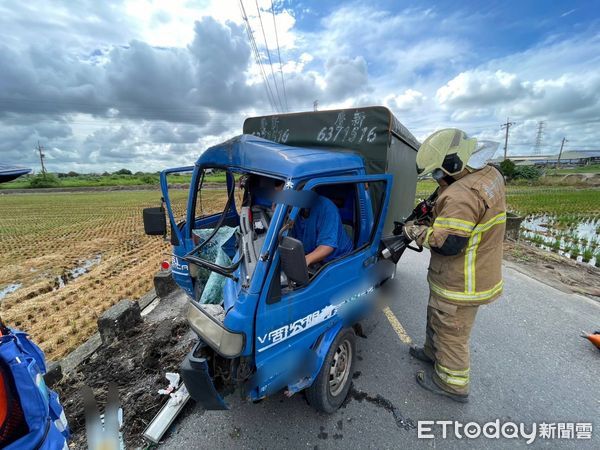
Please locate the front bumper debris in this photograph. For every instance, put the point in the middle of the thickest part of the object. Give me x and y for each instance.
(198, 381)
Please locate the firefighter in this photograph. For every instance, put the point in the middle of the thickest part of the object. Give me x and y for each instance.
(465, 271)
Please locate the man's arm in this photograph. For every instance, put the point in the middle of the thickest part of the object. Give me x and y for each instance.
(319, 254)
(329, 223)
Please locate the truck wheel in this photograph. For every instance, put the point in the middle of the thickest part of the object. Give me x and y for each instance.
(332, 384)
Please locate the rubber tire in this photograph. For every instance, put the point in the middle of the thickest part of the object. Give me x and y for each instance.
(318, 394)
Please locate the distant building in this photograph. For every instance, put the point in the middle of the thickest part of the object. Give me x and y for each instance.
(568, 158)
(580, 158)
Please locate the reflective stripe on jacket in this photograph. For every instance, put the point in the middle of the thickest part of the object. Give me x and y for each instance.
(472, 207)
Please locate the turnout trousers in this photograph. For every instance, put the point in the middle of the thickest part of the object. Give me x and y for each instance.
(447, 343)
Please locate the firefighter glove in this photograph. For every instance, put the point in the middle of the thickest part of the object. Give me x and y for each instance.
(415, 232)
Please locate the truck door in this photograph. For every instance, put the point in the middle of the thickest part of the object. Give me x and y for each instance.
(293, 321)
(202, 209)
(176, 217)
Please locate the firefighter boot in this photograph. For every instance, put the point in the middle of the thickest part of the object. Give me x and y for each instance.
(426, 381)
(420, 354)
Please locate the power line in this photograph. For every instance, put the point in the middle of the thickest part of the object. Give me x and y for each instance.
(254, 47)
(506, 125)
(268, 53)
(279, 56)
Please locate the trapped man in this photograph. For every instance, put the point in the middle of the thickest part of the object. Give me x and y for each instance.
(320, 230)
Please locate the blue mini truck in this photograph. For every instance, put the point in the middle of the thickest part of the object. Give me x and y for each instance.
(265, 321)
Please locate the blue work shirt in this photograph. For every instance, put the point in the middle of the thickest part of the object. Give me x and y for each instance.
(323, 226)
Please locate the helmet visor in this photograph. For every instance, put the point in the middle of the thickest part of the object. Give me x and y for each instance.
(484, 152)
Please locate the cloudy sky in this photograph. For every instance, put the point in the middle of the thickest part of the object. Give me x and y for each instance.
(148, 84)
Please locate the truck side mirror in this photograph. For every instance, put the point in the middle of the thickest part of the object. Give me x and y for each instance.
(293, 261)
(155, 223)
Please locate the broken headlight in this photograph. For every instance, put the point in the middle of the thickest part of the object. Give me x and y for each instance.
(223, 341)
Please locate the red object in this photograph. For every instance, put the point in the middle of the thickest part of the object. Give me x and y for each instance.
(12, 420)
(594, 338)
(165, 265)
(3, 401)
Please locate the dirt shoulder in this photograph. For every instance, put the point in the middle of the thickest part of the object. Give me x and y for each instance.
(136, 363)
(557, 271)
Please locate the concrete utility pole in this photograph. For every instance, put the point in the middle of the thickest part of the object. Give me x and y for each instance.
(40, 150)
(316, 105)
(562, 144)
(506, 126)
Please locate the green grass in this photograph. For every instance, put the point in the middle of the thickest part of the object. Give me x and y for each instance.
(574, 251)
(592, 168)
(113, 180)
(569, 203)
(582, 203)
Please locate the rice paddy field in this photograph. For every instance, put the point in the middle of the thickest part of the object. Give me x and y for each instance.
(67, 257)
(563, 220)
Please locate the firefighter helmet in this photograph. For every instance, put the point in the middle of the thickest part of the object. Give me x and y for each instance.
(447, 150)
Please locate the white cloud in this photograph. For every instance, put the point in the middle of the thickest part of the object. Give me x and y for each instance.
(149, 83)
(556, 81)
(345, 77)
(480, 87)
(472, 93)
(568, 94)
(408, 100)
(461, 115)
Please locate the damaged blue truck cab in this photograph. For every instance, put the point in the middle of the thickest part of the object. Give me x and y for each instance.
(265, 321)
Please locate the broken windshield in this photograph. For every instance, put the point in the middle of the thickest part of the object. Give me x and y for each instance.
(235, 234)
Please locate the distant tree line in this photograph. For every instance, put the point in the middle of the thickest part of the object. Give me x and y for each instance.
(513, 172)
(119, 177)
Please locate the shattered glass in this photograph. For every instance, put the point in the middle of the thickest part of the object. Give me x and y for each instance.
(220, 250)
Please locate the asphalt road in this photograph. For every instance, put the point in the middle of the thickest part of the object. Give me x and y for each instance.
(529, 365)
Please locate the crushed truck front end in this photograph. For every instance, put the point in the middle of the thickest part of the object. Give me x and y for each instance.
(260, 331)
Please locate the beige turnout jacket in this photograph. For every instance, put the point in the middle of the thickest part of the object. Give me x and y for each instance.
(474, 206)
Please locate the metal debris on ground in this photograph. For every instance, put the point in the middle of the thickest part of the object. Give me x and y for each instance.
(165, 417)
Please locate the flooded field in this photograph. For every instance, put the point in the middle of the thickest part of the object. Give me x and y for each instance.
(573, 236)
(9, 289)
(562, 220)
